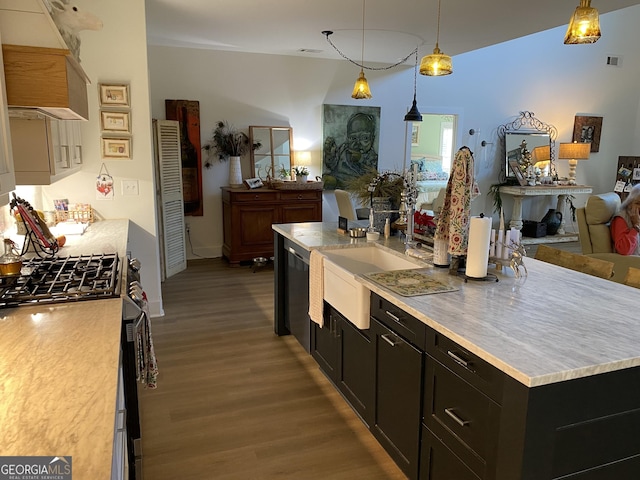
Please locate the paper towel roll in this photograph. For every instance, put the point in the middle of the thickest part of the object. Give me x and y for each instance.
(478, 249)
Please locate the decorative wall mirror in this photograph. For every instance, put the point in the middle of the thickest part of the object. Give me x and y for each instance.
(534, 133)
(274, 155)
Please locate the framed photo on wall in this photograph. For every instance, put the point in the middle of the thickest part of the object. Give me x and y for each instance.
(116, 148)
(115, 121)
(587, 130)
(114, 95)
(415, 135)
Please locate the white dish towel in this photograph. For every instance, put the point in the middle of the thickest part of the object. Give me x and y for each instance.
(316, 287)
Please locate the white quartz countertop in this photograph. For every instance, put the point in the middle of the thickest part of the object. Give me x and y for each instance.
(59, 370)
(553, 325)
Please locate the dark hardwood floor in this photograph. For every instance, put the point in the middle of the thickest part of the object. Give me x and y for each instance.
(234, 401)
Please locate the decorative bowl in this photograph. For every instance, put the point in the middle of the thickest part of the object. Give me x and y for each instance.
(359, 232)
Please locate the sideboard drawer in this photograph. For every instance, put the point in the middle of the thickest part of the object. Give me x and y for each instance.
(301, 195)
(254, 196)
(479, 373)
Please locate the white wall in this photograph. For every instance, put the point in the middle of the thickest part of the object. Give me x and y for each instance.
(489, 87)
(118, 54)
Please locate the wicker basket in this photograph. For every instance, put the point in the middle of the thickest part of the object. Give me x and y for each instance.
(297, 186)
(78, 216)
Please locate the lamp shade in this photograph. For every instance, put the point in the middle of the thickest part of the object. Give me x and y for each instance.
(584, 26)
(436, 64)
(303, 158)
(361, 88)
(541, 154)
(574, 151)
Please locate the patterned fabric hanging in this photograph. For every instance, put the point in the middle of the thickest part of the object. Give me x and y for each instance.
(453, 222)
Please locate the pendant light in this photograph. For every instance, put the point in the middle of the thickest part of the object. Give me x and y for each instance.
(414, 115)
(361, 88)
(584, 26)
(438, 63)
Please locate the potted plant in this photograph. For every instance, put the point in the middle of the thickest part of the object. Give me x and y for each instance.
(302, 173)
(228, 143)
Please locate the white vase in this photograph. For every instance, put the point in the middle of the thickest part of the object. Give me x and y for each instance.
(235, 172)
(301, 178)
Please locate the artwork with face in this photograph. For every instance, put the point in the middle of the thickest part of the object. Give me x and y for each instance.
(350, 143)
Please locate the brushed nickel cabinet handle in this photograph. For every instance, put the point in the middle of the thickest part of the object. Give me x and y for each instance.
(459, 360)
(393, 317)
(456, 418)
(390, 341)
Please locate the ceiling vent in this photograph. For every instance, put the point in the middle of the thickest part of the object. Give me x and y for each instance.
(614, 60)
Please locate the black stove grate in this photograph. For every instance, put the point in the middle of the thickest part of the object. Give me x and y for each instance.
(62, 279)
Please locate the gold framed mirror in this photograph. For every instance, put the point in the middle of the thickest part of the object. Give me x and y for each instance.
(273, 158)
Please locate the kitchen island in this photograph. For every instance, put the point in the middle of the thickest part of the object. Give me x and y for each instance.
(59, 370)
(563, 346)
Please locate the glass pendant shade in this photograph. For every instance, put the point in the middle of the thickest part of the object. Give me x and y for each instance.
(436, 64)
(361, 88)
(584, 26)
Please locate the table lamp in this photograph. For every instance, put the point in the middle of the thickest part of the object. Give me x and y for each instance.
(573, 152)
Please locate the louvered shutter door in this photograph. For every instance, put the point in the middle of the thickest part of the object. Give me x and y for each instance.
(170, 184)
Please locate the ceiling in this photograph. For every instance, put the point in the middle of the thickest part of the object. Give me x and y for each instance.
(392, 28)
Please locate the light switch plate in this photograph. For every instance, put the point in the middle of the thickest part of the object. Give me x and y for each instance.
(130, 187)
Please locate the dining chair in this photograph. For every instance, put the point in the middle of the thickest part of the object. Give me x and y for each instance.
(575, 261)
(345, 207)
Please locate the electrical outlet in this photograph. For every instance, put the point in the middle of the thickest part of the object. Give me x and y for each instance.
(187, 228)
(130, 187)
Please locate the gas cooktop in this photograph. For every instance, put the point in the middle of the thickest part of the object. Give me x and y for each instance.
(61, 279)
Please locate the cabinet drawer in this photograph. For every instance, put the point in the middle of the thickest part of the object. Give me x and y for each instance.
(301, 195)
(405, 325)
(462, 416)
(253, 196)
(469, 366)
(437, 462)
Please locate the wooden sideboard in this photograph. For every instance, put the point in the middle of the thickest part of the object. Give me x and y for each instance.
(248, 215)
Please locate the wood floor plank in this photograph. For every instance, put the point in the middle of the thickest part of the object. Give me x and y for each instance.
(236, 402)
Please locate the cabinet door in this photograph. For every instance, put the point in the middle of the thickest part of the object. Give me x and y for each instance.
(356, 368)
(324, 346)
(61, 148)
(398, 397)
(74, 136)
(437, 462)
(254, 226)
(7, 177)
(300, 212)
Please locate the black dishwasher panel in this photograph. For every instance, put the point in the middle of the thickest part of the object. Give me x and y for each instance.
(297, 293)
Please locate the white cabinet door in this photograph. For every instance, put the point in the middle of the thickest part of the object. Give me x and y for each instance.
(7, 177)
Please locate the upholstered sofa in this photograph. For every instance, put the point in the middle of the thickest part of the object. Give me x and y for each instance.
(595, 237)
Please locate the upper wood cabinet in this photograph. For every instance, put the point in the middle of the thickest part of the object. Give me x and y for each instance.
(46, 79)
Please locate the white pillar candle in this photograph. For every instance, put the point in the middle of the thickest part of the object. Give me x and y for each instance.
(515, 237)
(499, 242)
(478, 247)
(506, 251)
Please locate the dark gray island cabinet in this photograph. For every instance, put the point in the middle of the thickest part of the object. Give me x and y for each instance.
(443, 410)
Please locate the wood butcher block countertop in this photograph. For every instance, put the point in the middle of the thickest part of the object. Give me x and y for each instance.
(554, 325)
(59, 370)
